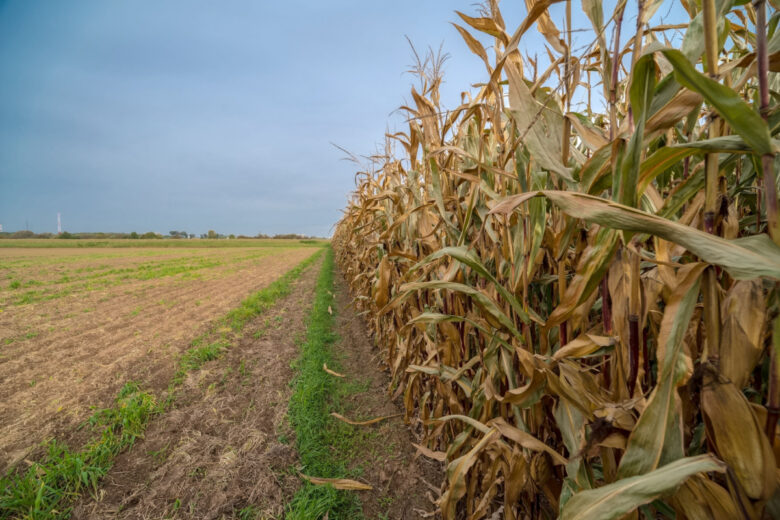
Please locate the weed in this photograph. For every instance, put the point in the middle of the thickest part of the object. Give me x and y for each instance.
(194, 358)
(322, 442)
(248, 513)
(46, 490)
(161, 454)
(198, 473)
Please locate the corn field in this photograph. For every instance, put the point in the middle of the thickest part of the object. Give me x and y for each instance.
(579, 308)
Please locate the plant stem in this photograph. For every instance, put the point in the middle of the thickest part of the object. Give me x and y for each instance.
(614, 79)
(770, 191)
(710, 293)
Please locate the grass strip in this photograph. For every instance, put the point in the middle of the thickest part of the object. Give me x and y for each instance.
(47, 490)
(324, 445)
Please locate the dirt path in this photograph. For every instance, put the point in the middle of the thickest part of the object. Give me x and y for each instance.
(405, 485)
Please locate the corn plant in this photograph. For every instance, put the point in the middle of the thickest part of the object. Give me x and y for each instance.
(579, 308)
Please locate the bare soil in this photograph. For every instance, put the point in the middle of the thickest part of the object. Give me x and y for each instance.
(405, 484)
(59, 358)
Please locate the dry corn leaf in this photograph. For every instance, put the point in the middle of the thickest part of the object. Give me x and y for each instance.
(331, 372)
(457, 471)
(701, 499)
(364, 423)
(338, 483)
(739, 439)
(435, 455)
(744, 313)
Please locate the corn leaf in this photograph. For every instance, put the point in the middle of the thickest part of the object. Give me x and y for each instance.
(614, 500)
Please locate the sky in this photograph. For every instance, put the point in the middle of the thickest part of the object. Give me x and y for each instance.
(195, 115)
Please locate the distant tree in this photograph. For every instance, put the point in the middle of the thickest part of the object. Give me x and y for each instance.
(231, 236)
(66, 235)
(23, 234)
(192, 235)
(133, 235)
(212, 234)
(174, 234)
(290, 235)
(151, 234)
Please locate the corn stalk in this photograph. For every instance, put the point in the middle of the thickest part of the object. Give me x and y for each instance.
(576, 305)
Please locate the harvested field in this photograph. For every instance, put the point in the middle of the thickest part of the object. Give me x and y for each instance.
(77, 323)
(226, 447)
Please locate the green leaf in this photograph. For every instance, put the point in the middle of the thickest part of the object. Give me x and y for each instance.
(726, 143)
(658, 163)
(623, 496)
(738, 114)
(571, 424)
(693, 41)
(744, 259)
(641, 94)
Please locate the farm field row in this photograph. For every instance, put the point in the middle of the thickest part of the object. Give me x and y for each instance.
(47, 274)
(113, 243)
(77, 323)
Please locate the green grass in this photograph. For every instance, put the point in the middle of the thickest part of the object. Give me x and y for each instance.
(196, 357)
(324, 444)
(248, 513)
(48, 488)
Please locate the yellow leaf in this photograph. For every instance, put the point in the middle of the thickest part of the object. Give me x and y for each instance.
(338, 483)
(364, 423)
(331, 372)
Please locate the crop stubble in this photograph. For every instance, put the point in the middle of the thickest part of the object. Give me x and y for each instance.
(59, 357)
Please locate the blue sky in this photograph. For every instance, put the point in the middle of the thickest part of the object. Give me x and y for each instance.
(195, 115)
